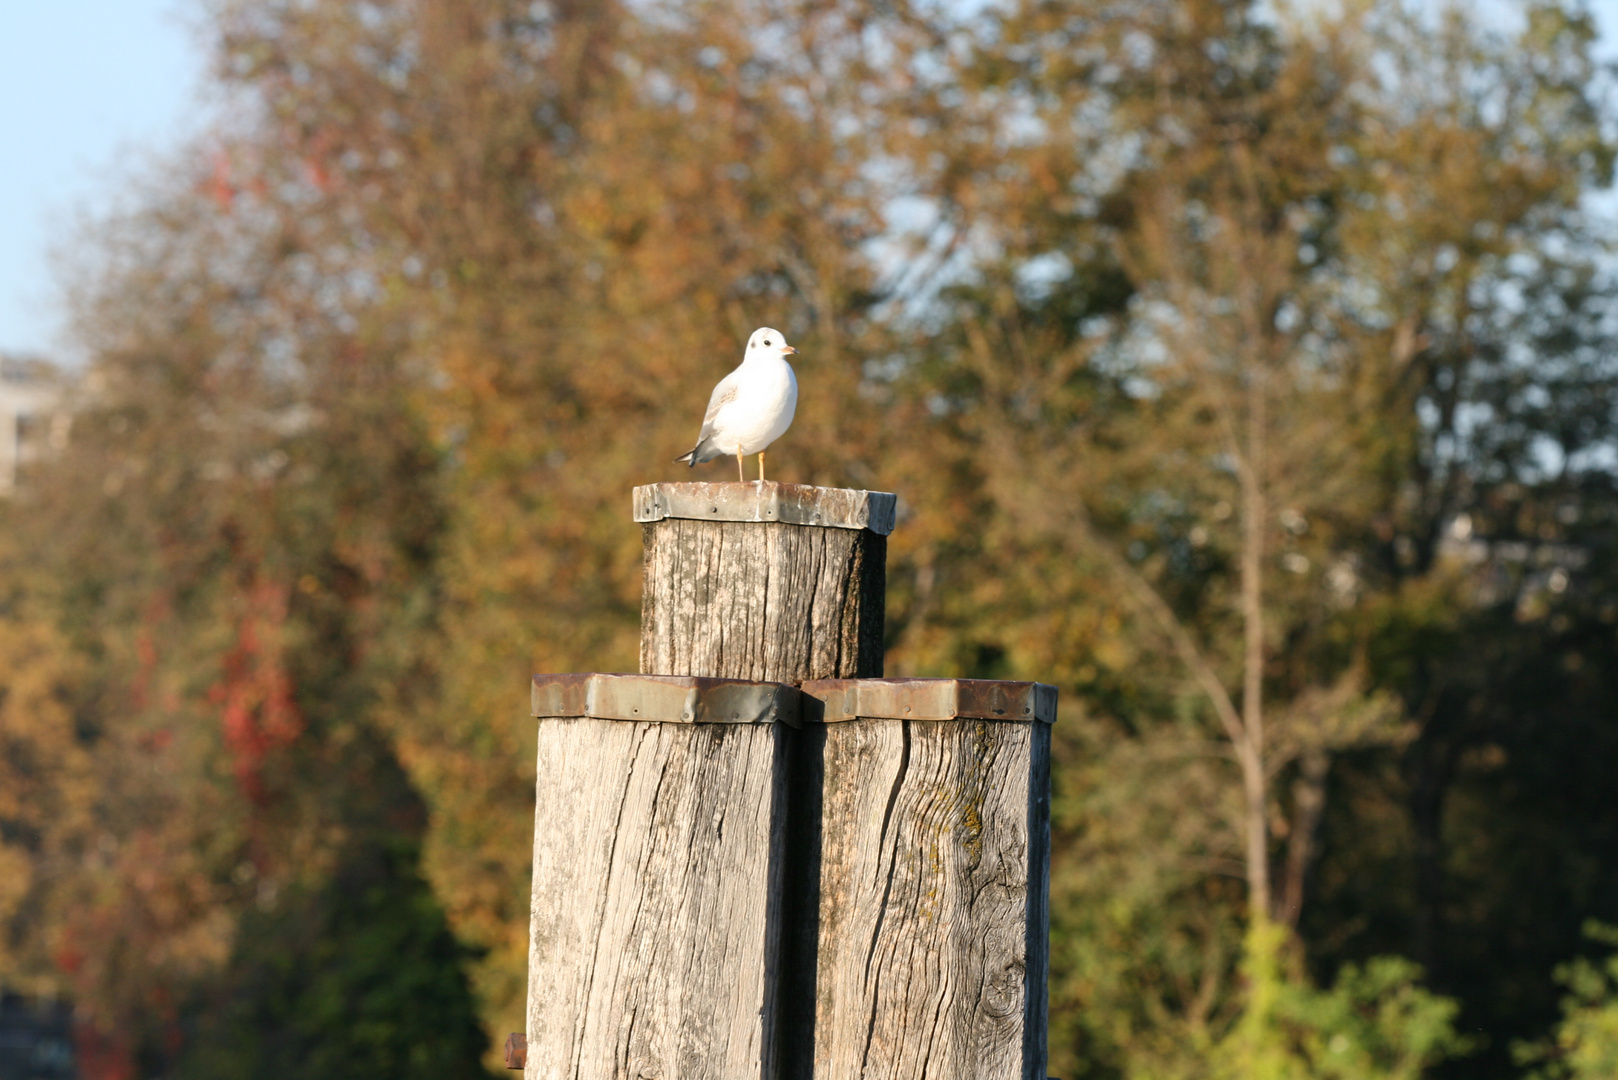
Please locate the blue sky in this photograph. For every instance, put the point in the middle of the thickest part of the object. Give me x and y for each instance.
(88, 90)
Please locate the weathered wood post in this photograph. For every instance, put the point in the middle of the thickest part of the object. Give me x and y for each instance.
(655, 921)
(735, 879)
(934, 878)
(763, 581)
(660, 837)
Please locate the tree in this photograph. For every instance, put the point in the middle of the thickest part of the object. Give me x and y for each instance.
(1585, 1044)
(46, 790)
(1187, 355)
(326, 985)
(1172, 322)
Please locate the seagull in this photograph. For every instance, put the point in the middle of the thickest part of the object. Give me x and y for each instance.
(751, 407)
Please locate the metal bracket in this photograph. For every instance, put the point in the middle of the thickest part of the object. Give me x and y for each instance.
(665, 699)
(793, 504)
(930, 699)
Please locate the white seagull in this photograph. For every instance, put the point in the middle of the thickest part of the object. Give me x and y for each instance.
(752, 406)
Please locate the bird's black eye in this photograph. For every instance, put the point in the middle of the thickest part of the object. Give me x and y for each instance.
(766, 341)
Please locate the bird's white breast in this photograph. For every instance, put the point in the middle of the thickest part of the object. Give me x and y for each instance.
(766, 398)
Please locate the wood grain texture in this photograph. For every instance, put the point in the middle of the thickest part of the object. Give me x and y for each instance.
(931, 957)
(762, 600)
(720, 896)
(656, 900)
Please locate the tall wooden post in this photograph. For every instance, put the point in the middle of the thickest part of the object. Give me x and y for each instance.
(737, 879)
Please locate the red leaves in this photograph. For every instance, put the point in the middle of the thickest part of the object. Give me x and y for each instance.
(103, 1055)
(258, 712)
(219, 186)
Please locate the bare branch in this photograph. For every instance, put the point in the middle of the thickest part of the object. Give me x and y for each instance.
(1152, 603)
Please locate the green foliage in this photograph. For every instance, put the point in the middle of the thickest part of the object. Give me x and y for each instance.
(361, 977)
(1584, 1046)
(1373, 1023)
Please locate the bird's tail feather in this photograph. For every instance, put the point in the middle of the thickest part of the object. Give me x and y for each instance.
(702, 452)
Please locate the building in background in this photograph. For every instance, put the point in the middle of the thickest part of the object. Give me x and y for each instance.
(33, 414)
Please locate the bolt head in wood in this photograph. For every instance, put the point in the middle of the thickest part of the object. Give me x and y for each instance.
(516, 1050)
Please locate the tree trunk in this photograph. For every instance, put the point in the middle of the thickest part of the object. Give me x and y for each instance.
(1255, 522)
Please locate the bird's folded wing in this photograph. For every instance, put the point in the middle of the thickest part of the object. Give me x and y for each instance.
(723, 395)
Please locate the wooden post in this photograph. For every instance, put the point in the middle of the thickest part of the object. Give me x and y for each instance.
(655, 921)
(778, 582)
(736, 880)
(660, 845)
(932, 951)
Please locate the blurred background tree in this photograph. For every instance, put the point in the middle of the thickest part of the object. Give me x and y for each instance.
(1246, 371)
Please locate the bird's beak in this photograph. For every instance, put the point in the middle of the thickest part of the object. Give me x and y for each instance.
(788, 350)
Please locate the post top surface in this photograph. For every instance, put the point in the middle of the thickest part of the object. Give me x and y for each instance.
(932, 699)
(794, 504)
(667, 699)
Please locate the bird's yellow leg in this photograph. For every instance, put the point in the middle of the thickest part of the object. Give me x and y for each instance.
(741, 471)
(761, 466)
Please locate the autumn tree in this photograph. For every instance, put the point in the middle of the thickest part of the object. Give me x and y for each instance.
(1203, 343)
(1200, 348)
(372, 373)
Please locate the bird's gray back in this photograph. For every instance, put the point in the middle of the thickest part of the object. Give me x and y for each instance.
(723, 394)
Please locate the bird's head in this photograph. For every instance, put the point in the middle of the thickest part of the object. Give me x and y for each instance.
(766, 342)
